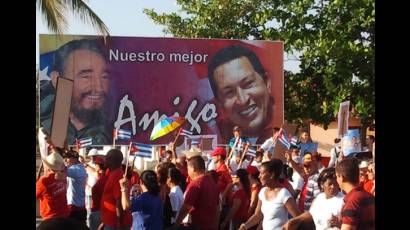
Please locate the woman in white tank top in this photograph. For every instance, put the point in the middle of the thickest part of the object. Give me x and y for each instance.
(274, 201)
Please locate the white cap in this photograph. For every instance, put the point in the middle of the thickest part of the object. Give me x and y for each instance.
(93, 152)
(363, 164)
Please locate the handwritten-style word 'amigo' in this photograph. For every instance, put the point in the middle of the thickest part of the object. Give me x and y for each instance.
(207, 113)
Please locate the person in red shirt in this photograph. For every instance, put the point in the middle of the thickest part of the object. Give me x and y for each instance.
(51, 189)
(96, 193)
(358, 212)
(239, 201)
(112, 214)
(201, 198)
(253, 174)
(372, 178)
(224, 177)
(365, 182)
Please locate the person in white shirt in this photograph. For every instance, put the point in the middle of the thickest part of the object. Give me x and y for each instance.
(176, 195)
(269, 145)
(297, 181)
(274, 201)
(257, 161)
(334, 153)
(326, 208)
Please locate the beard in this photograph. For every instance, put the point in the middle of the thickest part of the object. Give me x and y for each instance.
(90, 117)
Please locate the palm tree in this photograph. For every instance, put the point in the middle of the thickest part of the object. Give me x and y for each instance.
(54, 12)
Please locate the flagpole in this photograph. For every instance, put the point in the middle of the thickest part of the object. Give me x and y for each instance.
(174, 148)
(243, 155)
(232, 150)
(77, 142)
(39, 170)
(133, 162)
(176, 138)
(115, 137)
(128, 157)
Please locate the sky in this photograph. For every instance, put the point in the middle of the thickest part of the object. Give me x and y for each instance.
(124, 18)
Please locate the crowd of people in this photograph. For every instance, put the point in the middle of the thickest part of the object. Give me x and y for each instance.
(231, 191)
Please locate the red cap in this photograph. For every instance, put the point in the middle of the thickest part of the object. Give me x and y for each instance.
(251, 169)
(219, 151)
(99, 160)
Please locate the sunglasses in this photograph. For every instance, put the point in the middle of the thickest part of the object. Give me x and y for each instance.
(306, 165)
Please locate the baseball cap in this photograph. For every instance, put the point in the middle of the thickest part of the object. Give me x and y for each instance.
(363, 164)
(219, 151)
(92, 152)
(192, 152)
(98, 160)
(251, 169)
(236, 128)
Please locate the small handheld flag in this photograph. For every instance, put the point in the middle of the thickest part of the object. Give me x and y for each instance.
(186, 133)
(251, 152)
(141, 150)
(122, 134)
(294, 141)
(84, 142)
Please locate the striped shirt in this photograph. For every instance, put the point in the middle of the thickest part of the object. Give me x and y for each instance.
(309, 192)
(359, 209)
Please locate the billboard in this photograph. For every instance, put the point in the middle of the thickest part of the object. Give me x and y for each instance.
(133, 82)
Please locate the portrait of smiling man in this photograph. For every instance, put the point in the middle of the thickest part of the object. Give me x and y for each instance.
(242, 91)
(83, 61)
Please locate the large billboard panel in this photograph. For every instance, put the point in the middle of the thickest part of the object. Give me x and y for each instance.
(133, 82)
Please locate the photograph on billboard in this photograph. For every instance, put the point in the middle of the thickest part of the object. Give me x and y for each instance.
(131, 83)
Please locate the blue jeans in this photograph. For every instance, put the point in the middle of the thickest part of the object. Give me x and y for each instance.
(95, 220)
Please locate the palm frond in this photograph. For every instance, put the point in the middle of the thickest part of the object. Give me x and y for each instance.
(53, 12)
(87, 14)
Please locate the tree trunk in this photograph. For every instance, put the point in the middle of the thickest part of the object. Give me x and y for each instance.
(363, 134)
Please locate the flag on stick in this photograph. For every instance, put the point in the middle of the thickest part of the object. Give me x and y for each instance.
(84, 142)
(141, 150)
(251, 152)
(122, 134)
(186, 133)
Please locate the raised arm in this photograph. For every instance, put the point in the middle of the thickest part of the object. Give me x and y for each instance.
(254, 219)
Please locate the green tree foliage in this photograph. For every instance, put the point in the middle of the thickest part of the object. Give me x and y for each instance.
(335, 40)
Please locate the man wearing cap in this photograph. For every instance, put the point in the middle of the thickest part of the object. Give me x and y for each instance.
(310, 174)
(76, 182)
(92, 173)
(51, 188)
(236, 144)
(224, 177)
(363, 178)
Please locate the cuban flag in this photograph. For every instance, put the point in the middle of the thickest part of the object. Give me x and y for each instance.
(186, 133)
(294, 141)
(84, 142)
(141, 150)
(122, 134)
(251, 151)
(281, 136)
